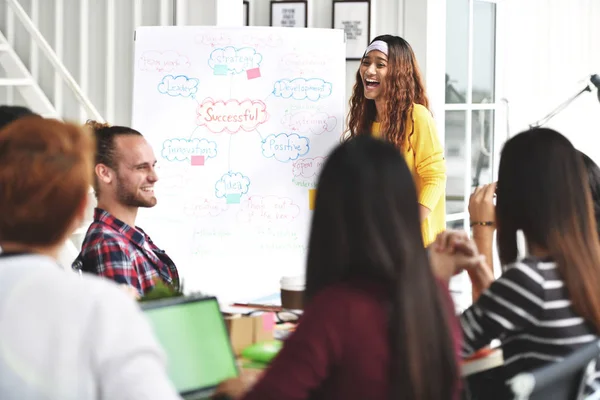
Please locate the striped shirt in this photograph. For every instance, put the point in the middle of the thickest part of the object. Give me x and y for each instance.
(529, 310)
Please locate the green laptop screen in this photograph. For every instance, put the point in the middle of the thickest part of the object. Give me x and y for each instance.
(196, 342)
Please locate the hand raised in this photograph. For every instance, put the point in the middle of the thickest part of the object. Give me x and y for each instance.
(481, 204)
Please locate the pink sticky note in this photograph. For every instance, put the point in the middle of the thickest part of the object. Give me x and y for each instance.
(197, 160)
(253, 73)
(268, 320)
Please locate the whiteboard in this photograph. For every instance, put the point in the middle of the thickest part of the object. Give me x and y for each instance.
(241, 121)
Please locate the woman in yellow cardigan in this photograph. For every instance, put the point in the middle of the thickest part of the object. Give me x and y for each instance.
(389, 101)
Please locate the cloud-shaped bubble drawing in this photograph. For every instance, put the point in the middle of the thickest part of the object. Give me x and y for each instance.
(303, 64)
(300, 89)
(270, 209)
(304, 122)
(165, 61)
(179, 85)
(236, 60)
(184, 149)
(213, 39)
(232, 183)
(272, 40)
(285, 147)
(203, 207)
(231, 115)
(308, 167)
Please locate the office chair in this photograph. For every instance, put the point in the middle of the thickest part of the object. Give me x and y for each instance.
(564, 380)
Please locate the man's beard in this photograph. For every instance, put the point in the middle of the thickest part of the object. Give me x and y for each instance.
(131, 198)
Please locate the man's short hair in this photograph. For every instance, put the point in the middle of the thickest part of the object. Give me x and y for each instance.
(105, 144)
(9, 114)
(44, 179)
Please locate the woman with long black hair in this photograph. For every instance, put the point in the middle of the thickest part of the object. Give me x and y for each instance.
(546, 305)
(377, 325)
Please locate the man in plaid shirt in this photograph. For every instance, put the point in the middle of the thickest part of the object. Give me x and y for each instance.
(124, 180)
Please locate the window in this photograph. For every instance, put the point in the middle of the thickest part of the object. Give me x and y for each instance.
(470, 109)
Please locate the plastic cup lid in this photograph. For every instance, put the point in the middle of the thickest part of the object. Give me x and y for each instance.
(293, 282)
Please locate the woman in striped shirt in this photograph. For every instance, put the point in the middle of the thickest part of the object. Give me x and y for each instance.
(547, 305)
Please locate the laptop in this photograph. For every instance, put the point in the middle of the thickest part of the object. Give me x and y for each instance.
(193, 334)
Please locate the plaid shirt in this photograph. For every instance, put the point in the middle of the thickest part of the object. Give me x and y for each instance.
(115, 250)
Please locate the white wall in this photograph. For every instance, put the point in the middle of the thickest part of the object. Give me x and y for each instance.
(422, 22)
(546, 48)
(116, 109)
(550, 48)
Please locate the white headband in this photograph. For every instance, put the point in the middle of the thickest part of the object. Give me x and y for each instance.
(379, 45)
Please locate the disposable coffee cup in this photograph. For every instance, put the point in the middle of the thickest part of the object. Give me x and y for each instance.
(292, 292)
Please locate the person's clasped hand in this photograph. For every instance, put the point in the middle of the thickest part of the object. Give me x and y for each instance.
(452, 252)
(481, 205)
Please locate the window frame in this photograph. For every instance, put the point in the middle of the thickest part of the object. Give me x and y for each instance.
(499, 107)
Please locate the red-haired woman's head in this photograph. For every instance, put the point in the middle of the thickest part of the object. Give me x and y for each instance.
(45, 174)
(389, 76)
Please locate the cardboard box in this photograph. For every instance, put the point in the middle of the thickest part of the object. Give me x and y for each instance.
(245, 330)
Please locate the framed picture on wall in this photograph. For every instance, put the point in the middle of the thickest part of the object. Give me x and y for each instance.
(290, 14)
(354, 17)
(246, 13)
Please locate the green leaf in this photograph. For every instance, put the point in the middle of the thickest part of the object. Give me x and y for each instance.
(162, 290)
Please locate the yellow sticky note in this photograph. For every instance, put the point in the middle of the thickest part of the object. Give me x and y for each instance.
(312, 193)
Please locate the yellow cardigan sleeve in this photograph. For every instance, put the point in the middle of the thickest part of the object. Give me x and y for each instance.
(430, 165)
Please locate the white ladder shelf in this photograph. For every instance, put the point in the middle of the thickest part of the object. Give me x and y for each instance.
(19, 78)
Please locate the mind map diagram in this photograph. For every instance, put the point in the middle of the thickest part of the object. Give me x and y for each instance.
(292, 100)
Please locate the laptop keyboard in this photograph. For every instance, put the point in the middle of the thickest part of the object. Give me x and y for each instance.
(204, 395)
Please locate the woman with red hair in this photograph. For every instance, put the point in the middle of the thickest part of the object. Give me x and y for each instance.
(62, 336)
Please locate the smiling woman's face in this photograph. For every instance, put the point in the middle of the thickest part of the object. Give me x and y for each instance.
(373, 70)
